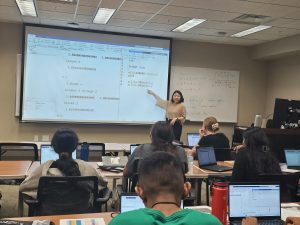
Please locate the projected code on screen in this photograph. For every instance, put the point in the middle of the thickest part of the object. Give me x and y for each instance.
(93, 81)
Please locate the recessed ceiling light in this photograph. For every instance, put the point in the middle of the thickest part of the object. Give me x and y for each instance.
(27, 7)
(251, 31)
(103, 15)
(189, 24)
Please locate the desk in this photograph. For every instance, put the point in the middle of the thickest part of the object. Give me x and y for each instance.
(10, 170)
(55, 219)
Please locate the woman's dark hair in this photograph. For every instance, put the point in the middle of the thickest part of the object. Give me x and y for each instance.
(64, 142)
(181, 96)
(260, 156)
(162, 137)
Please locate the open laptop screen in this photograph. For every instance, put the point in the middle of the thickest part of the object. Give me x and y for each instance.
(292, 157)
(193, 139)
(256, 200)
(206, 156)
(47, 153)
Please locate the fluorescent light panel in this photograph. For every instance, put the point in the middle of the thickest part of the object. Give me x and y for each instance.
(103, 15)
(188, 25)
(251, 31)
(27, 7)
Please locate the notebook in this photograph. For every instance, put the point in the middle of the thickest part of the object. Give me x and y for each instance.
(131, 201)
(47, 153)
(114, 161)
(133, 147)
(193, 139)
(260, 200)
(207, 160)
(292, 157)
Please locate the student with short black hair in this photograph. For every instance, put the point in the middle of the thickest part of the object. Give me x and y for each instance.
(161, 186)
(64, 142)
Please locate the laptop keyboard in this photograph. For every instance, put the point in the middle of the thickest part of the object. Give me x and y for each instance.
(217, 168)
(262, 222)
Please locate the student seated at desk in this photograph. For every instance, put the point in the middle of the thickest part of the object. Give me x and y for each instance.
(161, 135)
(64, 142)
(210, 135)
(256, 158)
(161, 187)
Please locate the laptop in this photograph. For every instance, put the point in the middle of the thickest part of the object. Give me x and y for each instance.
(223, 154)
(207, 160)
(114, 161)
(131, 201)
(193, 139)
(292, 157)
(133, 147)
(260, 200)
(47, 153)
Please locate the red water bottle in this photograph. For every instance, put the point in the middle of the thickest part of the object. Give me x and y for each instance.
(220, 201)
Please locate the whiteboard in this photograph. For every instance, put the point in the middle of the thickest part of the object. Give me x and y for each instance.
(207, 92)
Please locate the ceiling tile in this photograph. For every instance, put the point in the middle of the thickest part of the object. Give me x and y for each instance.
(175, 20)
(128, 15)
(141, 7)
(159, 26)
(86, 10)
(154, 1)
(111, 4)
(124, 23)
(83, 19)
(198, 13)
(225, 25)
(7, 3)
(29, 19)
(279, 2)
(56, 7)
(56, 16)
(92, 3)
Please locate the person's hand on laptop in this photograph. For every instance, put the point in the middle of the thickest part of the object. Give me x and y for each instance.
(249, 221)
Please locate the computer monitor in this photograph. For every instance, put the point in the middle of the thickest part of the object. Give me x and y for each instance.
(193, 139)
(286, 113)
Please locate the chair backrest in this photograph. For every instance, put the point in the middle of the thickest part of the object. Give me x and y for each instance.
(66, 195)
(288, 185)
(18, 151)
(237, 137)
(96, 151)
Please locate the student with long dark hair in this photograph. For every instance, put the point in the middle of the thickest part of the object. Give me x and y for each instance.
(255, 158)
(175, 111)
(64, 142)
(161, 135)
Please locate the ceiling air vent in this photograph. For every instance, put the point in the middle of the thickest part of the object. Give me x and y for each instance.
(251, 19)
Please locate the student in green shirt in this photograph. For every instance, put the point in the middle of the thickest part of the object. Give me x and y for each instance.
(161, 186)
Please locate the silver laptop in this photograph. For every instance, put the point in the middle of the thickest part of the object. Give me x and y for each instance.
(260, 200)
(131, 201)
(207, 160)
(47, 153)
(292, 157)
(114, 161)
(193, 139)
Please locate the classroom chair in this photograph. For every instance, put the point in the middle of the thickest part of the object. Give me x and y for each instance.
(18, 151)
(67, 195)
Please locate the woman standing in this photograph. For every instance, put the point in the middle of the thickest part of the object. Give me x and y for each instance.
(175, 111)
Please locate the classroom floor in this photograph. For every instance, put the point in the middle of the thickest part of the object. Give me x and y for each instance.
(9, 201)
